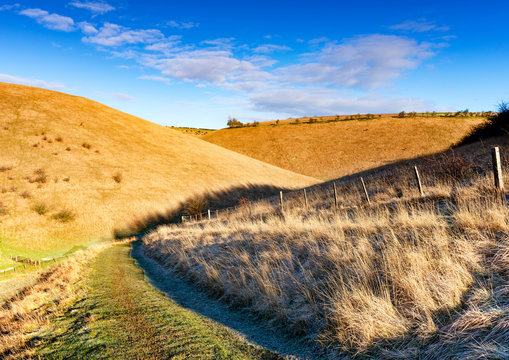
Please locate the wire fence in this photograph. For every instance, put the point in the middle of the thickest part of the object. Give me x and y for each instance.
(277, 203)
(26, 263)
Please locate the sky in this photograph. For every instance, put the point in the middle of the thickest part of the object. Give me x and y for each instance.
(197, 63)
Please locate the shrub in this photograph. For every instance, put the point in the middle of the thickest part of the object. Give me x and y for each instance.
(59, 139)
(5, 168)
(64, 216)
(86, 145)
(401, 114)
(25, 195)
(40, 208)
(3, 209)
(232, 122)
(66, 179)
(68, 149)
(497, 125)
(40, 176)
(196, 206)
(117, 177)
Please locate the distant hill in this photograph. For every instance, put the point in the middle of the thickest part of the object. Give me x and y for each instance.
(72, 169)
(334, 146)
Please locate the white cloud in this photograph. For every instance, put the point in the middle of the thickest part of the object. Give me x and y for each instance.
(213, 66)
(122, 96)
(50, 21)
(9, 7)
(364, 62)
(182, 25)
(318, 40)
(93, 6)
(301, 102)
(117, 35)
(31, 82)
(421, 25)
(87, 28)
(221, 43)
(270, 48)
(155, 78)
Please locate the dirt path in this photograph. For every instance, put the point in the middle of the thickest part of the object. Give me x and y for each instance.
(119, 315)
(244, 324)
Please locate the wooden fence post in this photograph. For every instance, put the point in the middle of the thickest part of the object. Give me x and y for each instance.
(497, 169)
(306, 199)
(335, 196)
(365, 190)
(281, 201)
(418, 178)
(208, 213)
(217, 213)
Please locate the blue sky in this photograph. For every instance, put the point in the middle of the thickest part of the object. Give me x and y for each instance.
(195, 63)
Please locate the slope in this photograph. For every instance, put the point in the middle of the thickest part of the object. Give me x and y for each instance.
(329, 150)
(72, 169)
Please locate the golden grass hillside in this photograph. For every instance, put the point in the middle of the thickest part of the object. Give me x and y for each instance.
(405, 277)
(331, 150)
(72, 170)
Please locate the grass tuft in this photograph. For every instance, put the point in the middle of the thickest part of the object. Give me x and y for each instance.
(40, 208)
(118, 177)
(64, 216)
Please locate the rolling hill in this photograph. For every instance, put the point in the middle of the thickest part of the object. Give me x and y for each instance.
(72, 170)
(328, 150)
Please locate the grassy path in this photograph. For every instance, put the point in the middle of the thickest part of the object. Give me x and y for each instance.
(121, 316)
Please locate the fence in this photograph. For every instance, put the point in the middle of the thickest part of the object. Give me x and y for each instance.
(278, 201)
(27, 263)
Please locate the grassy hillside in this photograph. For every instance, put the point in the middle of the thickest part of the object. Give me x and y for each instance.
(404, 277)
(71, 170)
(330, 150)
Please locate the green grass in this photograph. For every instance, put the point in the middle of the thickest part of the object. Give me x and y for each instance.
(119, 315)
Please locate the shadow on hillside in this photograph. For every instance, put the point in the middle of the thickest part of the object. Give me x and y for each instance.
(198, 204)
(457, 165)
(497, 125)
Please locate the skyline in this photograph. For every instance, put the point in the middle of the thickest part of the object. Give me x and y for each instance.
(196, 64)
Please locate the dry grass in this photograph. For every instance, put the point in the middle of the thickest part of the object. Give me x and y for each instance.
(36, 304)
(404, 278)
(331, 150)
(160, 167)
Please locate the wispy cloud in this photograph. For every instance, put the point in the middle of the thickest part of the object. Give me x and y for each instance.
(117, 35)
(9, 7)
(367, 62)
(221, 43)
(155, 78)
(31, 82)
(182, 25)
(421, 25)
(50, 21)
(123, 97)
(87, 28)
(270, 48)
(93, 6)
(316, 80)
(301, 102)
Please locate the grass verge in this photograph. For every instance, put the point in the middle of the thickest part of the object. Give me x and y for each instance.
(119, 315)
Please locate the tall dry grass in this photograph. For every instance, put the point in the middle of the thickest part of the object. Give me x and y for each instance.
(404, 278)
